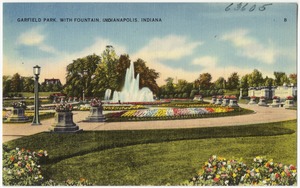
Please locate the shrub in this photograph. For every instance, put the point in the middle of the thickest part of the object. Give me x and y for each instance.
(219, 171)
(22, 167)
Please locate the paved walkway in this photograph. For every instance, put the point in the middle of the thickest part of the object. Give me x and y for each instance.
(261, 115)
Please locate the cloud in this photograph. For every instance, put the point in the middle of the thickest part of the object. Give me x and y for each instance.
(34, 37)
(250, 47)
(206, 61)
(171, 47)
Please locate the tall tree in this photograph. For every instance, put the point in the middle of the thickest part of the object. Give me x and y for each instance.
(147, 76)
(204, 81)
(80, 74)
(220, 83)
(281, 78)
(6, 83)
(106, 73)
(16, 83)
(293, 79)
(233, 81)
(255, 79)
(28, 84)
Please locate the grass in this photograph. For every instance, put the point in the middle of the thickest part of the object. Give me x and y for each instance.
(157, 157)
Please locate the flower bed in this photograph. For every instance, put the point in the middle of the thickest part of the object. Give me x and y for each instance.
(168, 113)
(220, 171)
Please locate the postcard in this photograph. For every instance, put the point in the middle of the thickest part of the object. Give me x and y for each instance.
(149, 93)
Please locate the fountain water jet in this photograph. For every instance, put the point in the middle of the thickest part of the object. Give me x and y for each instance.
(131, 91)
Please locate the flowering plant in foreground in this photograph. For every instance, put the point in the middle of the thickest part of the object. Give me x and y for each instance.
(220, 171)
(21, 167)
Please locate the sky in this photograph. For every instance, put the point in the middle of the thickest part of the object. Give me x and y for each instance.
(191, 38)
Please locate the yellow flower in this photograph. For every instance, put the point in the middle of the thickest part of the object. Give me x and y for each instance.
(234, 175)
(217, 176)
(256, 170)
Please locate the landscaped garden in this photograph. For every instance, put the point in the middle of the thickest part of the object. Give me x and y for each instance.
(155, 157)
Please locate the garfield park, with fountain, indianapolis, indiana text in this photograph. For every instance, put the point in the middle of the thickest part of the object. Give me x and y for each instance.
(111, 124)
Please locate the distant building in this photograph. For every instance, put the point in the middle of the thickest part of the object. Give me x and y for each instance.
(269, 92)
(53, 81)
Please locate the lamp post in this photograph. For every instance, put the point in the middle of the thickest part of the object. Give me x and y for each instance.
(36, 118)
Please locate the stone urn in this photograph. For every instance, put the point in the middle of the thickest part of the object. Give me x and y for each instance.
(213, 100)
(225, 102)
(219, 101)
(64, 120)
(262, 102)
(275, 102)
(233, 103)
(18, 113)
(289, 102)
(95, 112)
(252, 100)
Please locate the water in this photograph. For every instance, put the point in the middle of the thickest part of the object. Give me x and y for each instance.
(131, 91)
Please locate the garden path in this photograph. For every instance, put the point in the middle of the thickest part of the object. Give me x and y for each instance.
(261, 115)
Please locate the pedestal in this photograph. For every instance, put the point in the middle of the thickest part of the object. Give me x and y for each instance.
(18, 116)
(64, 123)
(233, 103)
(288, 104)
(252, 101)
(225, 102)
(95, 115)
(218, 101)
(213, 100)
(262, 102)
(275, 103)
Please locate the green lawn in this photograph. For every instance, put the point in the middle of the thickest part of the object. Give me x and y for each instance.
(157, 157)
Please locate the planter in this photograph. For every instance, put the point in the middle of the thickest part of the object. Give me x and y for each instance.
(225, 102)
(275, 103)
(213, 100)
(95, 114)
(64, 123)
(218, 101)
(262, 102)
(233, 103)
(288, 103)
(18, 116)
(252, 101)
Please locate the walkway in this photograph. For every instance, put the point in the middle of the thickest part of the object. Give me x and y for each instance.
(261, 115)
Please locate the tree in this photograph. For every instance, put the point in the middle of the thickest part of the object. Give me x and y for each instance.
(147, 76)
(255, 79)
(220, 83)
(233, 81)
(281, 78)
(293, 79)
(80, 74)
(106, 73)
(16, 83)
(269, 81)
(6, 83)
(28, 84)
(204, 81)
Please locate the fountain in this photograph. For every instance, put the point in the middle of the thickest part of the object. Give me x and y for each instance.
(131, 91)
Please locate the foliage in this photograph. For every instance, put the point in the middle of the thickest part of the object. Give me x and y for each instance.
(281, 78)
(20, 104)
(220, 171)
(96, 103)
(64, 107)
(22, 167)
(233, 81)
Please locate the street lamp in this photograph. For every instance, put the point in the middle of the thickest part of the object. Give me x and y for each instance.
(36, 118)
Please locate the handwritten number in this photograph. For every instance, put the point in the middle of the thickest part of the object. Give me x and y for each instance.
(252, 8)
(238, 6)
(262, 8)
(228, 8)
(244, 7)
